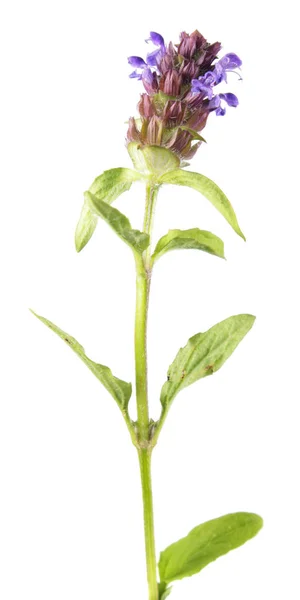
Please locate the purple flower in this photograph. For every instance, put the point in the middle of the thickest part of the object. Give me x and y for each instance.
(204, 84)
(216, 104)
(230, 61)
(225, 65)
(156, 39)
(138, 63)
(153, 58)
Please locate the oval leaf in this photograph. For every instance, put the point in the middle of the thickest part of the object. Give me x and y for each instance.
(206, 543)
(120, 390)
(189, 239)
(152, 160)
(137, 240)
(209, 189)
(85, 228)
(204, 354)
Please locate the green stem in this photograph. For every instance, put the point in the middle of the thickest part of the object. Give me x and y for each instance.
(145, 469)
(143, 278)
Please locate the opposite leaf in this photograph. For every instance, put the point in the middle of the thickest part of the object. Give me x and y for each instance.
(120, 390)
(108, 186)
(206, 543)
(204, 354)
(137, 240)
(209, 189)
(189, 239)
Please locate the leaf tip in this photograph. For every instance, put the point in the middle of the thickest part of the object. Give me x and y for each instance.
(252, 319)
(78, 245)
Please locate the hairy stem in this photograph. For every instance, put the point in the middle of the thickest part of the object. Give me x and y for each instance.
(143, 278)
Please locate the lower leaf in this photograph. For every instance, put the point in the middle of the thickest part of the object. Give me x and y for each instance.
(120, 390)
(206, 543)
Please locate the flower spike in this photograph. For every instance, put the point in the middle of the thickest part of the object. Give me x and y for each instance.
(180, 82)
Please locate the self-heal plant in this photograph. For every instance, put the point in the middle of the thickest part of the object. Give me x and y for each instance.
(181, 91)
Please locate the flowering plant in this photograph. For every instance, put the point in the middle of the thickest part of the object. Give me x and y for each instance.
(181, 85)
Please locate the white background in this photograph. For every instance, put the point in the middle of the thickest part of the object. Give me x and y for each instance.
(70, 505)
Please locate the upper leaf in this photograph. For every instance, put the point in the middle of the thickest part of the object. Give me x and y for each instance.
(120, 390)
(209, 189)
(206, 543)
(110, 184)
(189, 238)
(137, 240)
(204, 354)
(107, 187)
(152, 160)
(85, 227)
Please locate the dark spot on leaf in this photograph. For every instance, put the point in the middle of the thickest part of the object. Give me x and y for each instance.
(183, 374)
(168, 377)
(67, 340)
(209, 368)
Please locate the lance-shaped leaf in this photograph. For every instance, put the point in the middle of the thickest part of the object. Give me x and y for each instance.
(204, 354)
(108, 186)
(209, 189)
(120, 390)
(206, 543)
(137, 240)
(196, 239)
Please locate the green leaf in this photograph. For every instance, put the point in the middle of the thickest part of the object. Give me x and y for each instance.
(206, 543)
(189, 239)
(209, 189)
(137, 240)
(166, 593)
(85, 227)
(107, 187)
(204, 354)
(111, 184)
(152, 160)
(120, 390)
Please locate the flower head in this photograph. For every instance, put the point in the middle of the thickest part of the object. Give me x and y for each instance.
(180, 82)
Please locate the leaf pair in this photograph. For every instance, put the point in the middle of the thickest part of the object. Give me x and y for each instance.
(157, 166)
(204, 544)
